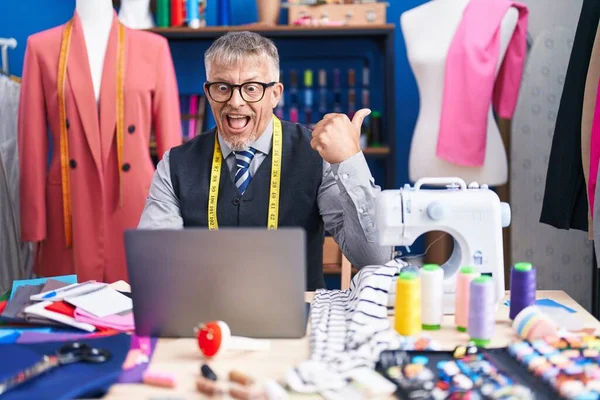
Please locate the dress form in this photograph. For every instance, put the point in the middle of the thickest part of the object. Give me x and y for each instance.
(96, 19)
(428, 31)
(135, 14)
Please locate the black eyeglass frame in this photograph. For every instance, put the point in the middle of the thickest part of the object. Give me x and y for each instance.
(264, 85)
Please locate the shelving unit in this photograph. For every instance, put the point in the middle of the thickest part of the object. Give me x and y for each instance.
(372, 42)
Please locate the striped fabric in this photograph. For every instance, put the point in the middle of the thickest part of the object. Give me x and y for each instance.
(349, 330)
(242, 176)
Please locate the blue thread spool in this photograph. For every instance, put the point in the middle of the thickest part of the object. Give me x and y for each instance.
(193, 13)
(522, 288)
(224, 12)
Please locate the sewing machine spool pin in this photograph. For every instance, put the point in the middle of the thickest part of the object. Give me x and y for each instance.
(473, 215)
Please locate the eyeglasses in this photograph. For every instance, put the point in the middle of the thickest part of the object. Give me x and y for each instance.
(251, 92)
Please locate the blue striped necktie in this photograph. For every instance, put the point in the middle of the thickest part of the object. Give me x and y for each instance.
(242, 176)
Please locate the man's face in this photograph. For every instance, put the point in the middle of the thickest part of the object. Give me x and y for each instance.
(241, 122)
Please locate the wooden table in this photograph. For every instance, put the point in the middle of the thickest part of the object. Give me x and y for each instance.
(182, 356)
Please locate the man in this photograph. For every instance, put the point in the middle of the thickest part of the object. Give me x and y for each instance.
(255, 170)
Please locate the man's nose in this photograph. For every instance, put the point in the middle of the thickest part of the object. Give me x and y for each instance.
(236, 99)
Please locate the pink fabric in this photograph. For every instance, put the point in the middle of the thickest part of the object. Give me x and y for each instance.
(469, 85)
(118, 322)
(594, 153)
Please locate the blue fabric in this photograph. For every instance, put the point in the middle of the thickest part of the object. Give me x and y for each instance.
(548, 303)
(66, 382)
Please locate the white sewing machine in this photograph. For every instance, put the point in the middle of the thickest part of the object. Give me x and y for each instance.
(473, 216)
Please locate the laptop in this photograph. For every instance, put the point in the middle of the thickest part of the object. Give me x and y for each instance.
(252, 278)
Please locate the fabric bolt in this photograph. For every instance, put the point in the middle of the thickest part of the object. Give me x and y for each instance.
(16, 257)
(471, 84)
(349, 330)
(565, 204)
(77, 380)
(587, 120)
(117, 322)
(594, 151)
(14, 308)
(99, 214)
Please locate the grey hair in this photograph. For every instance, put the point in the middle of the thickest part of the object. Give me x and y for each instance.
(234, 47)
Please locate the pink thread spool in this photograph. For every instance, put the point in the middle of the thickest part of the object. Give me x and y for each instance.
(461, 298)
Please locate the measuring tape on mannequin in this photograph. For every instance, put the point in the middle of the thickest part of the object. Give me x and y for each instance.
(62, 109)
(215, 175)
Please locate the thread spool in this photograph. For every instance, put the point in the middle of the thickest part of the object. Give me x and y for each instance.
(163, 13)
(176, 12)
(522, 288)
(481, 310)
(407, 309)
(193, 13)
(432, 289)
(461, 298)
(532, 324)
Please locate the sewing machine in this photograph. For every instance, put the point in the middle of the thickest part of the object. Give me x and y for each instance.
(473, 216)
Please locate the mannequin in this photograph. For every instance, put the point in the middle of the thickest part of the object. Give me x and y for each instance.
(117, 87)
(428, 31)
(136, 14)
(96, 19)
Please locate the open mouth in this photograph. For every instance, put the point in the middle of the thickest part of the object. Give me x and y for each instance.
(237, 122)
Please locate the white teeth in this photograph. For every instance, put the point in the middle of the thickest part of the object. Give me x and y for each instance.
(236, 116)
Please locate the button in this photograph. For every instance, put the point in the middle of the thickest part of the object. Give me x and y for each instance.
(345, 176)
(435, 211)
(360, 210)
(73, 163)
(131, 128)
(68, 124)
(126, 167)
(236, 202)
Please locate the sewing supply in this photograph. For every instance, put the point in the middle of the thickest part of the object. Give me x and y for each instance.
(463, 288)
(432, 289)
(481, 311)
(75, 289)
(308, 96)
(210, 388)
(240, 377)
(193, 14)
(215, 337)
(68, 354)
(408, 304)
(163, 14)
(473, 214)
(522, 288)
(208, 373)
(531, 324)
(160, 379)
(177, 13)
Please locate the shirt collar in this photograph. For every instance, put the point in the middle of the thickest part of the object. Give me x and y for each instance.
(262, 144)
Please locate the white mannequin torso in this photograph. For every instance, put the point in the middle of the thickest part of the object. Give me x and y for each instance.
(96, 19)
(428, 31)
(136, 14)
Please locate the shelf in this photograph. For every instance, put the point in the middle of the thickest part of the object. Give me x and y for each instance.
(280, 31)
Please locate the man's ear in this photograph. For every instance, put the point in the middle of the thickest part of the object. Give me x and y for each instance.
(276, 94)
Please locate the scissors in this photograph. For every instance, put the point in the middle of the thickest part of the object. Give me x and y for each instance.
(68, 354)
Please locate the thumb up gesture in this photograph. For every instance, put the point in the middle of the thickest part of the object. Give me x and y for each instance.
(336, 138)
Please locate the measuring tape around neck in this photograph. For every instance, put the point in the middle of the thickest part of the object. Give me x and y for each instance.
(62, 110)
(215, 175)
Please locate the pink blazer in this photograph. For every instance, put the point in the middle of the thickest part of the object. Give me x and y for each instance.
(470, 84)
(151, 102)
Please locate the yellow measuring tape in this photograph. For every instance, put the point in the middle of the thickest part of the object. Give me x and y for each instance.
(62, 110)
(215, 175)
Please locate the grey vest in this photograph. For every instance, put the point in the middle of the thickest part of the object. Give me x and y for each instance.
(301, 176)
